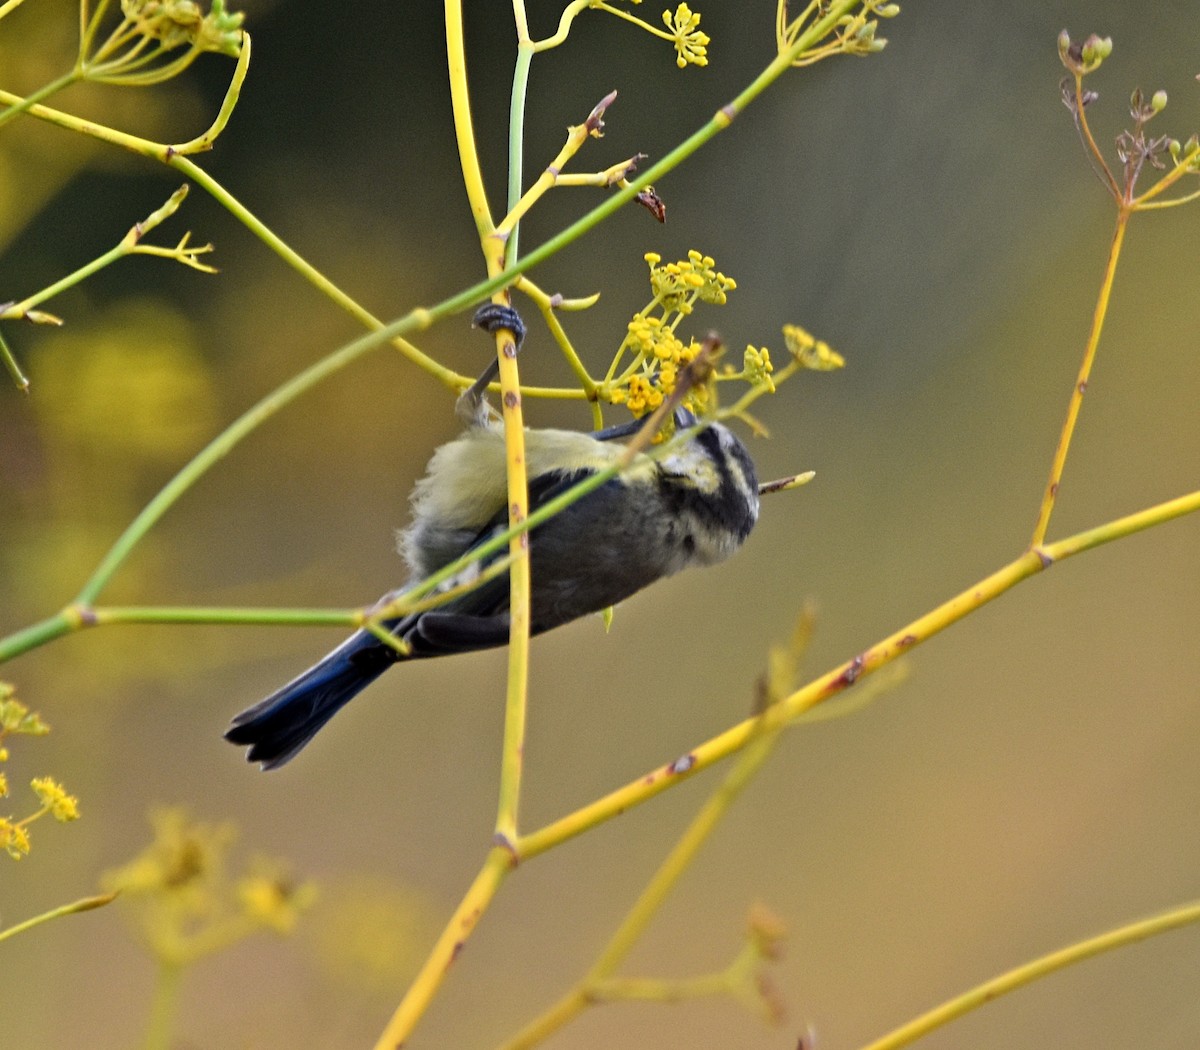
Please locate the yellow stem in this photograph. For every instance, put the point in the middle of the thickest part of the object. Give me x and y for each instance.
(1121, 527)
(32, 817)
(493, 242)
(1081, 381)
(464, 130)
(572, 9)
(1090, 142)
(511, 764)
(1031, 971)
(1182, 168)
(205, 141)
(835, 681)
(656, 989)
(1187, 198)
(452, 941)
(635, 20)
(164, 1006)
(133, 143)
(310, 273)
(577, 135)
(546, 304)
(598, 983)
(512, 759)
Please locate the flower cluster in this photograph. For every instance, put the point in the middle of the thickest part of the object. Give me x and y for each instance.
(691, 45)
(678, 285)
(156, 40)
(1136, 147)
(853, 33)
(188, 903)
(659, 354)
(17, 719)
(811, 353)
(757, 367)
(55, 800)
(182, 23)
(1083, 56)
(662, 354)
(683, 31)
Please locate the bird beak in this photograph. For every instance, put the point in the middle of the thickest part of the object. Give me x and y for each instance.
(684, 418)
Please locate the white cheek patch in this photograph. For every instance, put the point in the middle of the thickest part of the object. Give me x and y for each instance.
(693, 465)
(738, 474)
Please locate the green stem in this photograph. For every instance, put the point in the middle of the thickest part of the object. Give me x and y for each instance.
(88, 27)
(153, 75)
(316, 373)
(14, 369)
(36, 634)
(42, 93)
(164, 1006)
(127, 245)
(97, 71)
(85, 904)
(721, 120)
(221, 445)
(516, 143)
(110, 614)
(205, 140)
(309, 272)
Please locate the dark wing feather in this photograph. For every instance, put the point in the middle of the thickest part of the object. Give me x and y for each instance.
(279, 726)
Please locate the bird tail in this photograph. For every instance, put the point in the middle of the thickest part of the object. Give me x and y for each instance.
(279, 726)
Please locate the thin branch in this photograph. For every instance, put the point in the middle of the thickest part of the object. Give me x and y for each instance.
(1026, 973)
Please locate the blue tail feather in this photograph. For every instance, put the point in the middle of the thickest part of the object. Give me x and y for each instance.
(279, 726)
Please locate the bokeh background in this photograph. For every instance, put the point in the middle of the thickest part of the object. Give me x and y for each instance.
(930, 213)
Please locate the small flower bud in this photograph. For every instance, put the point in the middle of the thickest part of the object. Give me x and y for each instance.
(1158, 101)
(1096, 49)
(1082, 58)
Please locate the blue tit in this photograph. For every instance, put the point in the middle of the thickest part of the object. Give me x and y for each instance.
(695, 506)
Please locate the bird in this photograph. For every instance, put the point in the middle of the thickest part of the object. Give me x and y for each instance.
(693, 506)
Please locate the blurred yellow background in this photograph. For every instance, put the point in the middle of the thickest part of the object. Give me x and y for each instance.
(929, 212)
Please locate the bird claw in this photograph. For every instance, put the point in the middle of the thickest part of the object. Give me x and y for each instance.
(471, 406)
(491, 317)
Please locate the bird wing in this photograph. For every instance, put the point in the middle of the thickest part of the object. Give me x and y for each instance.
(479, 619)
